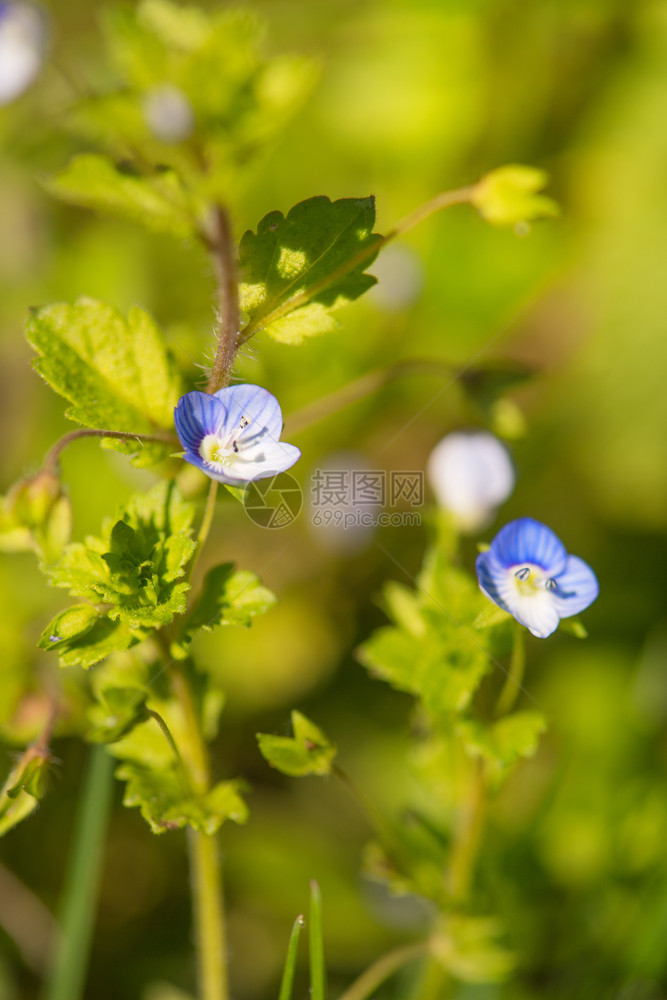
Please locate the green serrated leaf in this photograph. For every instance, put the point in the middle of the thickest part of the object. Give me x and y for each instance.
(297, 270)
(158, 201)
(68, 625)
(136, 566)
(504, 741)
(434, 653)
(116, 373)
(309, 751)
(227, 597)
(166, 804)
(104, 638)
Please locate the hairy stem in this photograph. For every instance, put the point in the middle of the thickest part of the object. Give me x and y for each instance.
(51, 460)
(72, 943)
(224, 260)
(383, 968)
(514, 678)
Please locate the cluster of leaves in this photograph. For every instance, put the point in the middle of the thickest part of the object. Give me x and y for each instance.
(135, 713)
(439, 648)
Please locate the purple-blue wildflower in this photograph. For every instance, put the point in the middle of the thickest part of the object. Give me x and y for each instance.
(527, 572)
(233, 435)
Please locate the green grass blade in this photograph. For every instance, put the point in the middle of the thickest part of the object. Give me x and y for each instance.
(317, 971)
(290, 961)
(77, 913)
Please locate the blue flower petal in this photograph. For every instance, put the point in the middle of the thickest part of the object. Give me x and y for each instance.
(492, 579)
(260, 409)
(196, 415)
(527, 541)
(577, 587)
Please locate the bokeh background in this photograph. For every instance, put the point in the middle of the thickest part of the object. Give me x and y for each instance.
(412, 97)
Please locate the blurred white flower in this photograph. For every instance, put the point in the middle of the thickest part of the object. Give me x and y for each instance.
(400, 275)
(471, 474)
(168, 114)
(22, 46)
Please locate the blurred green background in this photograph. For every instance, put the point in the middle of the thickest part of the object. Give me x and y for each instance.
(412, 97)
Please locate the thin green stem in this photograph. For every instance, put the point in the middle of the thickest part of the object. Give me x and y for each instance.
(183, 771)
(374, 816)
(72, 945)
(383, 968)
(460, 196)
(205, 526)
(514, 678)
(206, 875)
(468, 838)
(362, 387)
(204, 854)
(51, 460)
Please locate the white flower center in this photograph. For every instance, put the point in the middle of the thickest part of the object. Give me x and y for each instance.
(216, 452)
(531, 580)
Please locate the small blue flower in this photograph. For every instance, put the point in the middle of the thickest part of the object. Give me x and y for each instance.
(233, 435)
(527, 572)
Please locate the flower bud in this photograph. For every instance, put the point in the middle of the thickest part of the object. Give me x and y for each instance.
(22, 44)
(168, 114)
(471, 474)
(40, 505)
(509, 196)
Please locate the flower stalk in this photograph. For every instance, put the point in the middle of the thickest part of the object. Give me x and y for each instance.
(224, 261)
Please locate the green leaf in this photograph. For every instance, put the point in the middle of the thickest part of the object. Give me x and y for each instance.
(508, 196)
(116, 714)
(68, 625)
(506, 740)
(212, 61)
(136, 566)
(116, 373)
(227, 598)
(434, 653)
(491, 615)
(166, 803)
(159, 200)
(309, 751)
(297, 270)
(24, 787)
